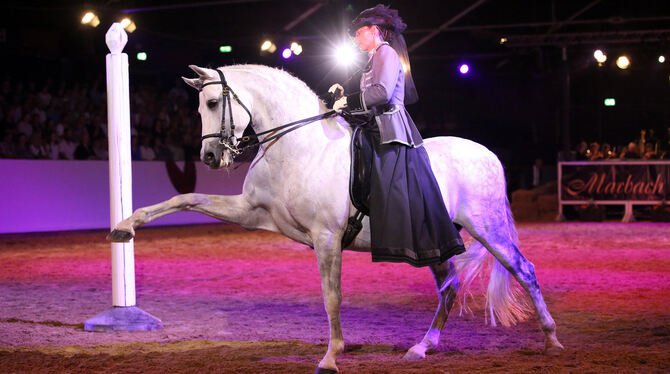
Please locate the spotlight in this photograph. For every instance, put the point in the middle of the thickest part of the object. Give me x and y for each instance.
(623, 62)
(225, 49)
(128, 24)
(345, 54)
(286, 53)
(90, 19)
(296, 48)
(142, 56)
(600, 56)
(610, 101)
(268, 46)
(503, 40)
(464, 69)
(661, 59)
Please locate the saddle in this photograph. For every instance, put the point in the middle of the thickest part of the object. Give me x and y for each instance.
(359, 183)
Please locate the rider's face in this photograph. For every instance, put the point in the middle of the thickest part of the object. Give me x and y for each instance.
(365, 37)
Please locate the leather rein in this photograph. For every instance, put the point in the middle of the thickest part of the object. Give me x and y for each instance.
(226, 134)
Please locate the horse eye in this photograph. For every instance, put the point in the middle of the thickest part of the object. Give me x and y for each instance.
(212, 104)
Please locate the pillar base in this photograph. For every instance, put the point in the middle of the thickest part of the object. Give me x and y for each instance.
(123, 318)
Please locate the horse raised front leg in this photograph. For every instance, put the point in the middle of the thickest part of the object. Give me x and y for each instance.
(447, 288)
(329, 258)
(226, 208)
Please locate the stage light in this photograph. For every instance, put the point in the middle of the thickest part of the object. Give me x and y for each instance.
(142, 56)
(464, 69)
(661, 59)
(90, 19)
(296, 48)
(128, 24)
(268, 46)
(600, 56)
(286, 53)
(610, 101)
(225, 49)
(345, 54)
(503, 40)
(623, 62)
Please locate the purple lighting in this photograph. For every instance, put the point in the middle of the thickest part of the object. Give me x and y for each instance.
(286, 53)
(464, 69)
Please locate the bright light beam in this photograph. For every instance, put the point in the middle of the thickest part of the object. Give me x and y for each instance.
(345, 55)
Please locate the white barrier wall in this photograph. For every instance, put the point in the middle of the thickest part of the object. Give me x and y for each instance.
(47, 195)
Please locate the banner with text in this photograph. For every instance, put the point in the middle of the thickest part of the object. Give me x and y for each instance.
(614, 181)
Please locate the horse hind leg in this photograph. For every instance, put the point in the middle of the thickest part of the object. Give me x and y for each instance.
(500, 241)
(447, 287)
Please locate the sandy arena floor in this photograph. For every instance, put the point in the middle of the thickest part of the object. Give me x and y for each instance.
(235, 301)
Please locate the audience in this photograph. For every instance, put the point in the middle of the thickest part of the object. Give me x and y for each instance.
(67, 122)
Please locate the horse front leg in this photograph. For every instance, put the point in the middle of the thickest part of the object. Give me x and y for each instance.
(447, 289)
(329, 257)
(233, 209)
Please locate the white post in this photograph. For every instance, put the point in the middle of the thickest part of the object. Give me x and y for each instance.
(124, 315)
(120, 169)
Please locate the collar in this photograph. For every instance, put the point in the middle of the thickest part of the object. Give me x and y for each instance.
(372, 52)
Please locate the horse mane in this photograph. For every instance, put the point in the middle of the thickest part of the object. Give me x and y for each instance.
(271, 74)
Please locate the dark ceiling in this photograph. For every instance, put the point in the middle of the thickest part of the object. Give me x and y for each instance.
(515, 94)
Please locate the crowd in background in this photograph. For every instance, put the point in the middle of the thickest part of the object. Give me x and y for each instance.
(647, 147)
(69, 121)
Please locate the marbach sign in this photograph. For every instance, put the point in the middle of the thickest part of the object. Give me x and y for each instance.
(615, 180)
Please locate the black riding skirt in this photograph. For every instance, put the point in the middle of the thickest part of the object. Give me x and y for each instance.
(408, 219)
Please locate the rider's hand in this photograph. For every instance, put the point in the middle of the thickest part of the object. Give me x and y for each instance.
(340, 104)
(336, 90)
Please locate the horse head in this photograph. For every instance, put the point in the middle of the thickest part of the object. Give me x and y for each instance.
(216, 150)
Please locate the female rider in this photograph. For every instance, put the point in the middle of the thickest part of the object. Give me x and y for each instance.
(408, 219)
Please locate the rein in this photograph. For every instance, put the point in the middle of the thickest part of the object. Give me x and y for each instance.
(227, 136)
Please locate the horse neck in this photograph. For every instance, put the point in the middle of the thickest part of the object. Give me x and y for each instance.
(279, 98)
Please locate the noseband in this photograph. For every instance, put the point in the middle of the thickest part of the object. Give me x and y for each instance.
(227, 133)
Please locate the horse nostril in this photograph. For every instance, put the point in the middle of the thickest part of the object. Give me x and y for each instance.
(209, 158)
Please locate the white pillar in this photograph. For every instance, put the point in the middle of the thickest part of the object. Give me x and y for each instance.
(120, 169)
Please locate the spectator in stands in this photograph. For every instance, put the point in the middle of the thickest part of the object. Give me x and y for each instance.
(22, 150)
(52, 146)
(36, 147)
(100, 148)
(84, 150)
(7, 147)
(67, 147)
(146, 150)
(594, 152)
(582, 151)
(607, 152)
(631, 152)
(650, 152)
(537, 173)
(25, 125)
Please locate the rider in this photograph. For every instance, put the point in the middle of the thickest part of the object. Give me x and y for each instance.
(408, 219)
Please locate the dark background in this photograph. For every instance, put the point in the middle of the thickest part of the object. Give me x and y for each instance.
(516, 100)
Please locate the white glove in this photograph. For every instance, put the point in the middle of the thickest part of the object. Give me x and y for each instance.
(333, 89)
(340, 104)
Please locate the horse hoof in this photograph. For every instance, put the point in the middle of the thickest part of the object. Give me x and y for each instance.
(325, 371)
(413, 355)
(554, 350)
(119, 236)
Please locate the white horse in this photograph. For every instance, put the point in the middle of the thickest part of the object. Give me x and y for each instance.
(297, 185)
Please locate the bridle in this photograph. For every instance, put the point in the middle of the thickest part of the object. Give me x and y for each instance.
(226, 134)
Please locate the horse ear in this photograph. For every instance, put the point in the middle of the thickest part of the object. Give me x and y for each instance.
(195, 82)
(201, 72)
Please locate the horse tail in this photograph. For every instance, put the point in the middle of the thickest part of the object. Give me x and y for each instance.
(505, 299)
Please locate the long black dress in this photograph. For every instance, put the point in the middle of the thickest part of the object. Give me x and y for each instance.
(408, 219)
